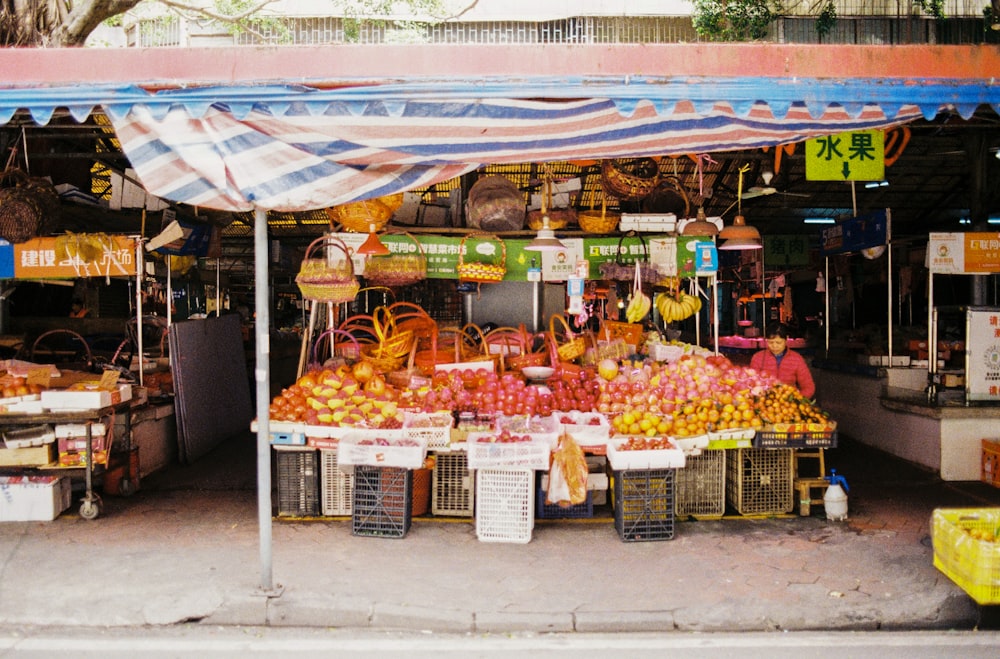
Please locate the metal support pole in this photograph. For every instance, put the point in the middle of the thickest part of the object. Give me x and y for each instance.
(537, 303)
(262, 376)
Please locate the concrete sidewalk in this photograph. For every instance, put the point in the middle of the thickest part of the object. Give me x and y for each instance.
(186, 548)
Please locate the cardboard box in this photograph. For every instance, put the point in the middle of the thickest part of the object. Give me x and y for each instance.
(33, 498)
(35, 456)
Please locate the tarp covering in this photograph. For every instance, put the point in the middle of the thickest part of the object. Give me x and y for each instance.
(300, 149)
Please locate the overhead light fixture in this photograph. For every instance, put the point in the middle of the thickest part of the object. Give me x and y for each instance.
(877, 184)
(740, 243)
(766, 176)
(739, 229)
(819, 220)
(700, 226)
(545, 240)
(372, 245)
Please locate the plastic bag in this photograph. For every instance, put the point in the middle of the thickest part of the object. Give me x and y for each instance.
(567, 474)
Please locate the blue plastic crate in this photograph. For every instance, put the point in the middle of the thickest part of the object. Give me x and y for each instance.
(555, 511)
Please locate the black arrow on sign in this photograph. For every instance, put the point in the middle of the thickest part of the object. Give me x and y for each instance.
(846, 169)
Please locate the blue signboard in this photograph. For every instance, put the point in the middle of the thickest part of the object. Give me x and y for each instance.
(6, 259)
(855, 234)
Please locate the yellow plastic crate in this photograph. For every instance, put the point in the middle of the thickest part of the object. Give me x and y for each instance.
(971, 563)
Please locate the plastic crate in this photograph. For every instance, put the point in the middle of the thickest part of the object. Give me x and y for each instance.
(759, 480)
(555, 511)
(795, 439)
(504, 505)
(973, 564)
(383, 501)
(701, 486)
(298, 481)
(452, 491)
(433, 428)
(337, 485)
(990, 470)
(644, 504)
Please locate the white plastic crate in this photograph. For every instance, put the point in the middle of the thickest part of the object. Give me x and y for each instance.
(385, 451)
(505, 505)
(337, 486)
(452, 485)
(433, 428)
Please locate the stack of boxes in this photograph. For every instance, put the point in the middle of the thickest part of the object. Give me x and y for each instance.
(71, 442)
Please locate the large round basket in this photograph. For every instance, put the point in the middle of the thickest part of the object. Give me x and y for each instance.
(495, 204)
(629, 178)
(327, 272)
(21, 207)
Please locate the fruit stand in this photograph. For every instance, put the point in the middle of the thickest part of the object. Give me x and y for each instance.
(686, 436)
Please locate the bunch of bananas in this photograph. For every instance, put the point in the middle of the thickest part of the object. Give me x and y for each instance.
(677, 308)
(638, 306)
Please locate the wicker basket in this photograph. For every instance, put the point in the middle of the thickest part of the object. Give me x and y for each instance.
(495, 204)
(325, 347)
(482, 272)
(365, 215)
(327, 276)
(669, 196)
(21, 208)
(629, 178)
(398, 269)
(392, 346)
(568, 345)
(593, 221)
(558, 217)
(516, 346)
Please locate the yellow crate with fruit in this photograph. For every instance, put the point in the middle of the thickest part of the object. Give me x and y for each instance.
(967, 550)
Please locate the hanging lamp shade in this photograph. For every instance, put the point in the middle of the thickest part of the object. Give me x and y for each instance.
(545, 240)
(700, 226)
(740, 243)
(372, 245)
(739, 229)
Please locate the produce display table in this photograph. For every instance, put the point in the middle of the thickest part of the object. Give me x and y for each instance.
(90, 506)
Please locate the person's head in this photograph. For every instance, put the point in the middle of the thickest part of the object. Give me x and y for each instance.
(777, 339)
(76, 304)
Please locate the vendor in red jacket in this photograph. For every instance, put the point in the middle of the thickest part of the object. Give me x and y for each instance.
(786, 365)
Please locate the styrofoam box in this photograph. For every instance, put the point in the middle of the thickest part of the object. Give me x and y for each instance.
(64, 430)
(389, 454)
(33, 498)
(90, 399)
(652, 459)
(26, 437)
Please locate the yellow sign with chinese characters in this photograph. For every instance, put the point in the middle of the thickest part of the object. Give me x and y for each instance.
(40, 258)
(856, 156)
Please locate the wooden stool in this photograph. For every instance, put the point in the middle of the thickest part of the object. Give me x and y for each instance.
(805, 486)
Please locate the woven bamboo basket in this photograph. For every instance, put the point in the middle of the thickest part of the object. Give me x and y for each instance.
(478, 350)
(558, 217)
(568, 345)
(483, 272)
(495, 204)
(326, 348)
(444, 346)
(399, 268)
(594, 221)
(517, 347)
(327, 272)
(629, 178)
(362, 216)
(392, 345)
(21, 210)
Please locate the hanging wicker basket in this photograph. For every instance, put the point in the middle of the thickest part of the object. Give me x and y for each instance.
(483, 272)
(361, 216)
(398, 268)
(629, 178)
(21, 207)
(495, 204)
(327, 272)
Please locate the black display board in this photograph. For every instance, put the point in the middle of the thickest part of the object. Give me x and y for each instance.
(212, 391)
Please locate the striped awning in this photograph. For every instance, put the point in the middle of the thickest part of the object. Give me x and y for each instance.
(299, 147)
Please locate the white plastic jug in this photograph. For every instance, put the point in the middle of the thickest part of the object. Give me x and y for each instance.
(835, 499)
